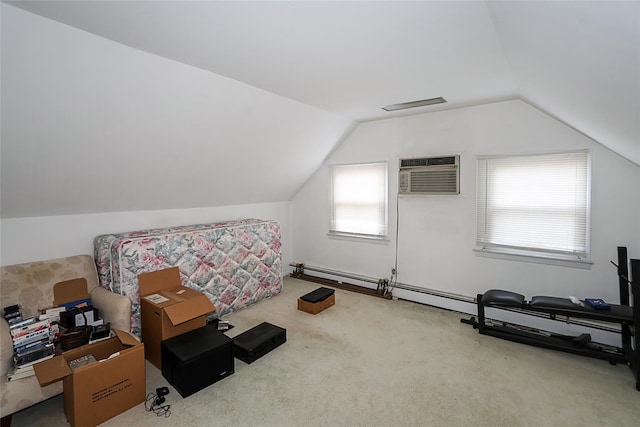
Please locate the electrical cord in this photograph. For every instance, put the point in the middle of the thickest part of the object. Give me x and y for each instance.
(393, 280)
(154, 403)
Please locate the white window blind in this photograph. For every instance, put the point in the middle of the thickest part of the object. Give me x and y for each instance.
(535, 204)
(358, 198)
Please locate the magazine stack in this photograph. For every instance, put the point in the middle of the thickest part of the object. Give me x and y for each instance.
(32, 342)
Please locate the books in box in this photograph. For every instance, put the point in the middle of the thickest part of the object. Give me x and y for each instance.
(28, 328)
(40, 351)
(96, 392)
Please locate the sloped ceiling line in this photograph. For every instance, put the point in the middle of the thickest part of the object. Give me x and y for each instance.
(340, 62)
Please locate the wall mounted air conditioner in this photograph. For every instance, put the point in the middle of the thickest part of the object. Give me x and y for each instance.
(430, 175)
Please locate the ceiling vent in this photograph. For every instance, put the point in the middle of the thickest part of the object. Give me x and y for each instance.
(430, 175)
(414, 104)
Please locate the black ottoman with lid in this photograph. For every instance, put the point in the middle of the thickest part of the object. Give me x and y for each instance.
(197, 359)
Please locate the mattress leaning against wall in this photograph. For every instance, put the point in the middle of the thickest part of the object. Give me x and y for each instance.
(234, 263)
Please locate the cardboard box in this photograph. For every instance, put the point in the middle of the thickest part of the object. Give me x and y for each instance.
(168, 309)
(71, 291)
(96, 392)
(315, 308)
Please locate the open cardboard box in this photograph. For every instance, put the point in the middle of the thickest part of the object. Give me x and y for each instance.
(70, 293)
(96, 392)
(168, 309)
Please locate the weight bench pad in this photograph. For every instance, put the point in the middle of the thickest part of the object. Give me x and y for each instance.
(502, 298)
(553, 302)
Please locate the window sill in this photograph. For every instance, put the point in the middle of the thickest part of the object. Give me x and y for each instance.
(365, 238)
(534, 257)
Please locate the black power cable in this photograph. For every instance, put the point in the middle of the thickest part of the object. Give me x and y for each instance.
(154, 402)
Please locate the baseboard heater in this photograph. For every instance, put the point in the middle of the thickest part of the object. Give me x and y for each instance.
(384, 290)
(383, 287)
(381, 290)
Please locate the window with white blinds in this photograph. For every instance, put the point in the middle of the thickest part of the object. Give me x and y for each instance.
(358, 199)
(535, 205)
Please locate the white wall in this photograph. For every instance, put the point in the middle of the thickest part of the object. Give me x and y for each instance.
(32, 239)
(437, 233)
(90, 125)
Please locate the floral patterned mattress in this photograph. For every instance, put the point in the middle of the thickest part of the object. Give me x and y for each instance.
(234, 263)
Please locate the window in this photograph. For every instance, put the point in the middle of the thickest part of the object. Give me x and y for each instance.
(534, 205)
(358, 199)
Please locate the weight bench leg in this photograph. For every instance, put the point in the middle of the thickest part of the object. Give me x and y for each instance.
(635, 290)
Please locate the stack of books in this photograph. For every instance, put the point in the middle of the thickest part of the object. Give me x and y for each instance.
(34, 338)
(32, 343)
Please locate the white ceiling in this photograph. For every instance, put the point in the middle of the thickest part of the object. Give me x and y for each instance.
(349, 58)
(578, 61)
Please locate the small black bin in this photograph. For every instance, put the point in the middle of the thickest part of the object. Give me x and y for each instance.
(197, 359)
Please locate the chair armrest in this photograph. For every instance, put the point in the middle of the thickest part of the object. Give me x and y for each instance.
(113, 308)
(6, 347)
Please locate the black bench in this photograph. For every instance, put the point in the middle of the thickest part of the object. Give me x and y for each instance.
(623, 314)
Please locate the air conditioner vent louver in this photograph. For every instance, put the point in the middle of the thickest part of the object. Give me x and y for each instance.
(430, 175)
(428, 161)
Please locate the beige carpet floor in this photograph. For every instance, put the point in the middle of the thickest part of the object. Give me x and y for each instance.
(373, 362)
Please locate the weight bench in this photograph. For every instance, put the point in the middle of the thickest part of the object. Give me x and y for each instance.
(623, 314)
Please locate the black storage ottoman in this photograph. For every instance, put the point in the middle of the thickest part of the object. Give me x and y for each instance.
(318, 300)
(251, 345)
(197, 359)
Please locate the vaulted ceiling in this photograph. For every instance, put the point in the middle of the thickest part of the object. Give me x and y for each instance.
(577, 61)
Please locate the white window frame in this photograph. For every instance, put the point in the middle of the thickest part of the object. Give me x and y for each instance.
(502, 208)
(348, 194)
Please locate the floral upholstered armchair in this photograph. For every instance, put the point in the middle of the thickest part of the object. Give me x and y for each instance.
(30, 285)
